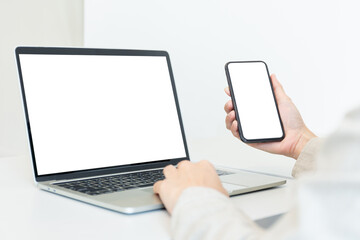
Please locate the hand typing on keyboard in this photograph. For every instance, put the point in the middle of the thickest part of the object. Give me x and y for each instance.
(186, 175)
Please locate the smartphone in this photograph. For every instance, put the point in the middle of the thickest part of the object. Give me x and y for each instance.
(254, 102)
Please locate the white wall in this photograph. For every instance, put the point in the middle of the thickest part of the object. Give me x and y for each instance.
(312, 46)
(34, 23)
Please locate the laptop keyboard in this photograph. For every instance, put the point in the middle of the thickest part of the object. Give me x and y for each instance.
(222, 172)
(117, 183)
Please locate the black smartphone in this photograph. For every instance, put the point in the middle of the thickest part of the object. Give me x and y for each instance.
(254, 101)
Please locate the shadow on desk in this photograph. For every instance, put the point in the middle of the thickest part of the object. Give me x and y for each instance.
(268, 221)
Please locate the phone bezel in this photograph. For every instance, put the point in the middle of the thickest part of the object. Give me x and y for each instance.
(245, 140)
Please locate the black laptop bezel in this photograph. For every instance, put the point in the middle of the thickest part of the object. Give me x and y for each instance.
(107, 170)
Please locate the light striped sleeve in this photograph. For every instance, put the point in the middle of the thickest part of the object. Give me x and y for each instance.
(205, 213)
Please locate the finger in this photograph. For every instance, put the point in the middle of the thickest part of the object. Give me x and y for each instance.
(234, 129)
(183, 164)
(227, 91)
(203, 162)
(228, 106)
(206, 164)
(278, 88)
(230, 118)
(169, 171)
(157, 186)
(275, 81)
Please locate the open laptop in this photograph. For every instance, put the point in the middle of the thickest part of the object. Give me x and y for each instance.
(103, 123)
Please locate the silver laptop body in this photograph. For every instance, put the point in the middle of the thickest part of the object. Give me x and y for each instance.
(105, 114)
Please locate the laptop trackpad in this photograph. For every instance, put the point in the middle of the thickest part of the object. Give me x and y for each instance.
(149, 190)
(134, 197)
(232, 187)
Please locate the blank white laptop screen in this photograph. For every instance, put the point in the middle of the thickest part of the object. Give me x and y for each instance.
(89, 111)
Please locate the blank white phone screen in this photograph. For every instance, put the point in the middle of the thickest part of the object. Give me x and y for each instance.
(254, 99)
(90, 111)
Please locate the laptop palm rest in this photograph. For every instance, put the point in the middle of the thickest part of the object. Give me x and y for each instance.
(131, 201)
(244, 182)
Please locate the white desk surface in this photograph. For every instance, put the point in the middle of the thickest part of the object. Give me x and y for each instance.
(29, 213)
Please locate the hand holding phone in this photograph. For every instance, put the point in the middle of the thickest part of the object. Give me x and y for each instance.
(254, 102)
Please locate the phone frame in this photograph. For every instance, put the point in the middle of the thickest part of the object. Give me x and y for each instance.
(245, 140)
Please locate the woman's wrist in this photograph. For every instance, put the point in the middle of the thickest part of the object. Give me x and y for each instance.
(305, 137)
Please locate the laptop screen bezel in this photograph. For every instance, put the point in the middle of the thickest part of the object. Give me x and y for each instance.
(106, 170)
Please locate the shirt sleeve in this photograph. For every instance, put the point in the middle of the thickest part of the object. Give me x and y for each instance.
(306, 161)
(205, 213)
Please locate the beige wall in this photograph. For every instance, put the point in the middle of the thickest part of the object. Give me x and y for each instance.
(30, 23)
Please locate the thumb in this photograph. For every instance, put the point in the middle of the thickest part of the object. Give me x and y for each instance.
(157, 186)
(278, 88)
(227, 91)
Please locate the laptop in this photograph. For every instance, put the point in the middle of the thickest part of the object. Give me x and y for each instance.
(103, 123)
